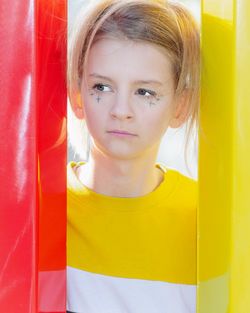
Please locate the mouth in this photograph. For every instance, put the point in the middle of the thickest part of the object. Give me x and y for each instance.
(120, 132)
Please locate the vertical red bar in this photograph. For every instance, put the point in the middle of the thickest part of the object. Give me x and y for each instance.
(32, 156)
(52, 149)
(18, 157)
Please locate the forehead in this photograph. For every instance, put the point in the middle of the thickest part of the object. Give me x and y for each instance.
(126, 58)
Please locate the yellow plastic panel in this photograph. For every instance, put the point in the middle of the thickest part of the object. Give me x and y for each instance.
(224, 159)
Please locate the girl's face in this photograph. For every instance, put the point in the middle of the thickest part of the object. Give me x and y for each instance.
(129, 88)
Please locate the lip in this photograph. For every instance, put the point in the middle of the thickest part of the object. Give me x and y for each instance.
(121, 132)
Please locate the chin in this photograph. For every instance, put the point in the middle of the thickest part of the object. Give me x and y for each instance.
(122, 153)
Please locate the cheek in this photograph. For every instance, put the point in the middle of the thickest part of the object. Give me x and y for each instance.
(94, 117)
(158, 121)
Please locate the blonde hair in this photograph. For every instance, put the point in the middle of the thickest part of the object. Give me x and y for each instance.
(164, 23)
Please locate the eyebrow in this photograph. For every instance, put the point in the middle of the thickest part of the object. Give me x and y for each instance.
(136, 82)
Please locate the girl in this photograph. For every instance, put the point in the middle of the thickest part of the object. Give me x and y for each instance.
(133, 71)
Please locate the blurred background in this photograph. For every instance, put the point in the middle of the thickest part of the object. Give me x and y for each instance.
(171, 152)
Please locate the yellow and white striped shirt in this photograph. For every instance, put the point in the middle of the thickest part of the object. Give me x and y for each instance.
(132, 255)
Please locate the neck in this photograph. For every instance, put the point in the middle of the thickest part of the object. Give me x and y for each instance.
(120, 177)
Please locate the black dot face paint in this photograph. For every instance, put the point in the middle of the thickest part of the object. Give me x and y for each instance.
(96, 90)
(98, 98)
(151, 103)
(144, 95)
(152, 95)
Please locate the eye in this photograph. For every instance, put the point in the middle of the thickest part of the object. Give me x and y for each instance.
(142, 92)
(100, 87)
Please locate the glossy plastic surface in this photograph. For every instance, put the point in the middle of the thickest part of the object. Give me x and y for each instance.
(18, 158)
(32, 156)
(224, 168)
(52, 151)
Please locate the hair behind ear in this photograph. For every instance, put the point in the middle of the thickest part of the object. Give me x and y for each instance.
(77, 104)
(181, 110)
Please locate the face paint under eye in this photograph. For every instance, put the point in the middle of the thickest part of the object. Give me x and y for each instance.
(96, 92)
(152, 103)
(152, 96)
(98, 98)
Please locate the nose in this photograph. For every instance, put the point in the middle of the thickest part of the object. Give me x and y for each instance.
(121, 108)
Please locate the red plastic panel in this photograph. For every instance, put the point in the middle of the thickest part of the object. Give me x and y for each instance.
(52, 148)
(18, 158)
(32, 156)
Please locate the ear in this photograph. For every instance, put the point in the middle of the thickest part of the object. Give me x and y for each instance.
(181, 110)
(77, 105)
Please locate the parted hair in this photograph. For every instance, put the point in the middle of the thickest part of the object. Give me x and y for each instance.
(161, 22)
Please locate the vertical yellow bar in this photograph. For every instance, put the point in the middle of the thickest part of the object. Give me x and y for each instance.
(224, 159)
(241, 201)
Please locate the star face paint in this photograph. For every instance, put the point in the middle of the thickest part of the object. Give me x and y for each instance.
(94, 91)
(144, 95)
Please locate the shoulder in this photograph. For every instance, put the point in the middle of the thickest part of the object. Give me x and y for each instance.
(187, 191)
(186, 184)
(180, 219)
(184, 196)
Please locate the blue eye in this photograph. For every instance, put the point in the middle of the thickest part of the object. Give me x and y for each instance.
(100, 87)
(142, 91)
